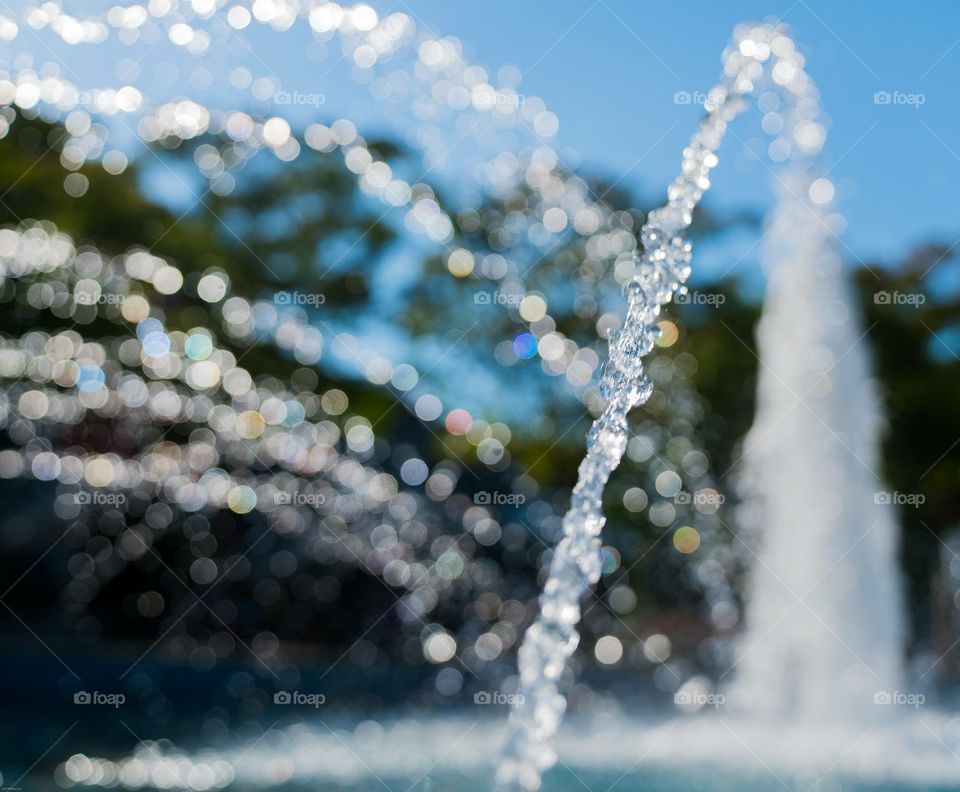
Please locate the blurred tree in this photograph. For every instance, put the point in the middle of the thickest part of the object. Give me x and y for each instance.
(306, 226)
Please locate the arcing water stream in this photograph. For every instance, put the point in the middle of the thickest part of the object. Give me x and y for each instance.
(763, 59)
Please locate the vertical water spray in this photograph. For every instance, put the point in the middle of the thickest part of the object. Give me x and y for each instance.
(824, 618)
(761, 58)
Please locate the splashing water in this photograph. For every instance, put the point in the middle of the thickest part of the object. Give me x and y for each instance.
(762, 57)
(105, 121)
(801, 667)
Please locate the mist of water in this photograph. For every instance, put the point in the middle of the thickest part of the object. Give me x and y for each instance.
(824, 628)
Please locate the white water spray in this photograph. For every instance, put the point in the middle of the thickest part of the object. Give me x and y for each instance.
(762, 58)
(824, 615)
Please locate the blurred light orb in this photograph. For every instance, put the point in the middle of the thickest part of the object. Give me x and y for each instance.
(622, 600)
(449, 682)
(404, 377)
(490, 451)
(75, 185)
(238, 17)
(669, 333)
(363, 17)
(668, 483)
(156, 344)
(428, 407)
(212, 288)
(641, 448)
(203, 571)
(99, 472)
(608, 650)
(276, 132)
(555, 219)
(657, 648)
(460, 262)
(135, 308)
(686, 539)
(822, 191)
(458, 421)
(46, 466)
(533, 308)
(414, 471)
(203, 375)
(379, 371)
(551, 347)
(198, 347)
(439, 647)
(90, 378)
(525, 346)
(635, 499)
(610, 560)
(334, 402)
(488, 646)
(242, 500)
(33, 404)
(250, 425)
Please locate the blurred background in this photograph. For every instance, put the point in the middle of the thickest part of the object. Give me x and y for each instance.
(302, 313)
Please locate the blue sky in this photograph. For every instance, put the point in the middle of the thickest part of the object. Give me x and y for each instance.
(610, 69)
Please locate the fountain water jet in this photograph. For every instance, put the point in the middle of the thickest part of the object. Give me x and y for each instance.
(762, 56)
(824, 617)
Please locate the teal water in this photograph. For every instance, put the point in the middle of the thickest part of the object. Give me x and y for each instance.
(703, 779)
